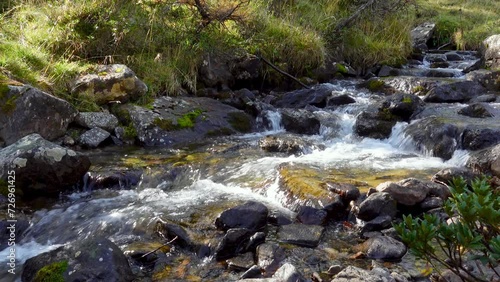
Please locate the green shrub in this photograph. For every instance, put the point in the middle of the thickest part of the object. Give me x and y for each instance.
(474, 233)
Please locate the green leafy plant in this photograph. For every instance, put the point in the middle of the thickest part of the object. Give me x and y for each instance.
(473, 234)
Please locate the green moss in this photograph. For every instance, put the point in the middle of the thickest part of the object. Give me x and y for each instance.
(375, 85)
(406, 100)
(418, 89)
(52, 272)
(342, 69)
(240, 122)
(188, 120)
(130, 132)
(385, 114)
(164, 124)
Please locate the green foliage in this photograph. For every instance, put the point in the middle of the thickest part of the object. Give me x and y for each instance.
(130, 132)
(473, 234)
(52, 272)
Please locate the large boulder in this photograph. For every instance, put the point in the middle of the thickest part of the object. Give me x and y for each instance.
(460, 92)
(490, 51)
(180, 120)
(486, 161)
(300, 121)
(27, 110)
(96, 259)
(476, 138)
(374, 123)
(436, 135)
(42, 167)
(408, 192)
(110, 83)
(478, 110)
(404, 106)
(421, 34)
(251, 215)
(316, 96)
(487, 78)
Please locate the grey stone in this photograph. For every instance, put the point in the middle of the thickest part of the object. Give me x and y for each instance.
(422, 33)
(102, 120)
(407, 192)
(288, 273)
(251, 215)
(377, 204)
(300, 234)
(33, 111)
(42, 167)
(110, 83)
(490, 51)
(384, 248)
(93, 137)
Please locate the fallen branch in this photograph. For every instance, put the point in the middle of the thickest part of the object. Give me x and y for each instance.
(283, 72)
(168, 243)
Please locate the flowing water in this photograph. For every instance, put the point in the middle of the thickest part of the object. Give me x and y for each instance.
(192, 186)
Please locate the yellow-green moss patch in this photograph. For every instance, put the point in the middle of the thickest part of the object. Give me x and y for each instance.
(52, 272)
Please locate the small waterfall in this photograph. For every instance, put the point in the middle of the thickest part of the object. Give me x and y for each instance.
(273, 119)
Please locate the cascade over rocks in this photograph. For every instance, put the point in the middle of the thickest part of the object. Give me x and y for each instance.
(182, 120)
(95, 259)
(110, 83)
(42, 167)
(490, 51)
(27, 110)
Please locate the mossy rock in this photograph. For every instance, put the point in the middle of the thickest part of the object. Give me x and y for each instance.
(375, 85)
(240, 122)
(52, 273)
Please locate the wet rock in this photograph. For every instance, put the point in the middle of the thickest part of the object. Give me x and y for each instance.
(374, 124)
(477, 110)
(102, 120)
(251, 215)
(336, 208)
(300, 234)
(387, 71)
(407, 192)
(453, 56)
(317, 96)
(411, 84)
(42, 167)
(93, 137)
(346, 191)
(430, 203)
(254, 241)
(183, 120)
(379, 223)
(233, 243)
(440, 73)
(96, 259)
(334, 269)
(114, 179)
(377, 204)
(490, 51)
(461, 92)
(384, 248)
(340, 100)
(403, 106)
(486, 161)
(445, 176)
(300, 121)
(278, 218)
(486, 98)
(252, 272)
(435, 135)
(20, 226)
(476, 138)
(169, 231)
(288, 273)
(110, 83)
(311, 216)
(288, 144)
(440, 65)
(241, 263)
(421, 34)
(26, 110)
(435, 58)
(269, 257)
